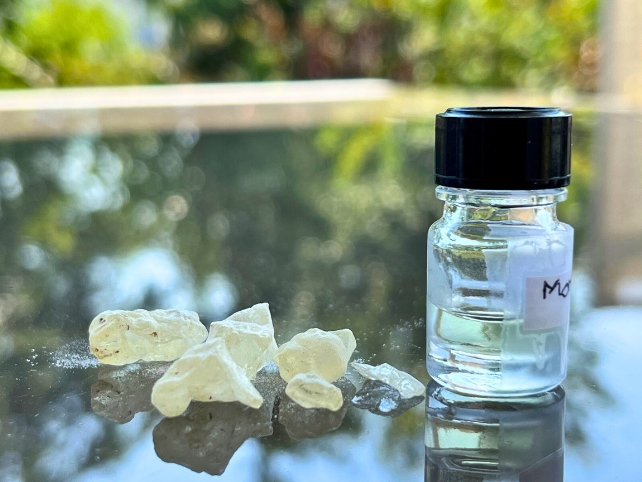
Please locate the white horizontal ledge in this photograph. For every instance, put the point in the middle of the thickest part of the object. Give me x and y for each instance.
(60, 112)
(187, 95)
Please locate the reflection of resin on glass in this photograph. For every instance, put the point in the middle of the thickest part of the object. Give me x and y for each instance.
(483, 439)
(121, 392)
(381, 399)
(207, 435)
(301, 423)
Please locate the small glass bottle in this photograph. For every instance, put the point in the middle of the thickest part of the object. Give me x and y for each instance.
(470, 439)
(499, 260)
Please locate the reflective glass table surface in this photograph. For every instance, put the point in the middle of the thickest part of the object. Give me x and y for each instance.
(329, 227)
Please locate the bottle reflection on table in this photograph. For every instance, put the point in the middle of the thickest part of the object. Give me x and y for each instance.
(471, 439)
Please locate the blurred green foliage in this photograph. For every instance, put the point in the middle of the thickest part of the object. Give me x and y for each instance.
(507, 43)
(525, 43)
(69, 42)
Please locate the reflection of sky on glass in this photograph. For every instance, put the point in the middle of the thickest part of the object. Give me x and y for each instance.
(91, 176)
(218, 297)
(140, 463)
(159, 276)
(334, 457)
(613, 436)
(126, 282)
(366, 457)
(67, 435)
(10, 185)
(31, 256)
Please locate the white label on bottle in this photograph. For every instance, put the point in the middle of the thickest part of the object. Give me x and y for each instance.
(548, 301)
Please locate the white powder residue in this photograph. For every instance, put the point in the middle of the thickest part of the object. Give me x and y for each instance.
(139, 369)
(74, 354)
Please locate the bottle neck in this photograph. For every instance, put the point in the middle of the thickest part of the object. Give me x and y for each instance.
(508, 199)
(531, 207)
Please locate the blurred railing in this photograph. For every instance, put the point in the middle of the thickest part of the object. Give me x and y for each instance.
(209, 107)
(42, 113)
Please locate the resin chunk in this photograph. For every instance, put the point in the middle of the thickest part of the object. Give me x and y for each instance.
(119, 393)
(258, 314)
(311, 391)
(249, 336)
(206, 437)
(381, 399)
(325, 353)
(205, 373)
(407, 385)
(347, 338)
(121, 337)
(302, 423)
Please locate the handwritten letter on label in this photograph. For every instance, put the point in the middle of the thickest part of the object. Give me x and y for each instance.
(548, 301)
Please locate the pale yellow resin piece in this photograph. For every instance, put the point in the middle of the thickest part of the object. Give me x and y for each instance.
(249, 336)
(407, 385)
(121, 337)
(325, 353)
(205, 373)
(311, 391)
(347, 337)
